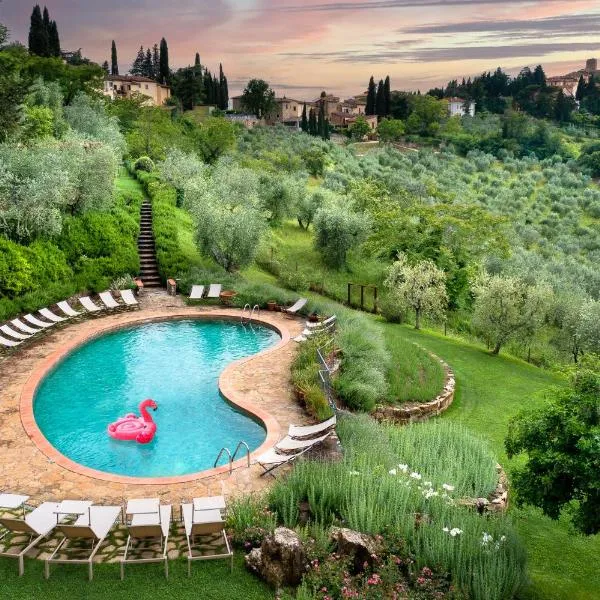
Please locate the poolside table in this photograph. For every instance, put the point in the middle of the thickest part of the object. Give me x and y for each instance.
(73, 507)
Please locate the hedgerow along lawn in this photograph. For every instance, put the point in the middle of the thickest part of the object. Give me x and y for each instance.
(490, 390)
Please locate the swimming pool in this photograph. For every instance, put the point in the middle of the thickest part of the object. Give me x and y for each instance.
(176, 363)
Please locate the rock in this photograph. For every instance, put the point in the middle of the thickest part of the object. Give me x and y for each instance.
(281, 559)
(359, 547)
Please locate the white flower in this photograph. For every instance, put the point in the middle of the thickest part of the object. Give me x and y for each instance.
(447, 487)
(445, 529)
(503, 538)
(392, 471)
(430, 493)
(403, 468)
(416, 475)
(354, 473)
(455, 531)
(486, 538)
(428, 484)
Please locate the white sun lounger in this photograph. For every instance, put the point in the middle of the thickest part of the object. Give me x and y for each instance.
(306, 333)
(14, 334)
(298, 305)
(93, 525)
(320, 324)
(89, 305)
(66, 308)
(38, 322)
(197, 292)
(149, 521)
(288, 451)
(37, 525)
(307, 431)
(214, 291)
(17, 323)
(45, 312)
(8, 343)
(207, 524)
(128, 297)
(108, 300)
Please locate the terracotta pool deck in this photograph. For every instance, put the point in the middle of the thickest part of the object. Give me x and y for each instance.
(27, 467)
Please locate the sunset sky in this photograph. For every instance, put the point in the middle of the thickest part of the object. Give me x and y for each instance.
(304, 46)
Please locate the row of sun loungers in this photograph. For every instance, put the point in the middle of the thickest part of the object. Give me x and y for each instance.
(201, 292)
(83, 526)
(318, 328)
(15, 332)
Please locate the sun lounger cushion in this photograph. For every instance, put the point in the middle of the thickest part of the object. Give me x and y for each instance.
(89, 305)
(48, 314)
(305, 431)
(128, 297)
(108, 299)
(37, 322)
(197, 292)
(9, 331)
(214, 290)
(66, 308)
(17, 323)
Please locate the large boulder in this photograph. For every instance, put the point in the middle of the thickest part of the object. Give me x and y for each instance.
(359, 547)
(281, 559)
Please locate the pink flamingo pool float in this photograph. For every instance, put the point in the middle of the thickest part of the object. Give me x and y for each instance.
(131, 427)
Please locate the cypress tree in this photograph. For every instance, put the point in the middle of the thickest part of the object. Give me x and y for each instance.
(155, 62)
(114, 63)
(580, 93)
(371, 97)
(148, 69)
(304, 122)
(387, 94)
(164, 74)
(138, 64)
(38, 34)
(321, 121)
(46, 20)
(53, 39)
(197, 60)
(223, 93)
(380, 100)
(312, 122)
(326, 133)
(216, 92)
(105, 67)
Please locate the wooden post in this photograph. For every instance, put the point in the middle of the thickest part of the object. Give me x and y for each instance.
(349, 292)
(375, 299)
(362, 297)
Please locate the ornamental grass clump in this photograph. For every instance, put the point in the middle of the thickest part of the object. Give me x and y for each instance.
(383, 487)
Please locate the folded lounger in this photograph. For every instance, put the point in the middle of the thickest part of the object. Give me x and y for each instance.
(37, 524)
(314, 331)
(12, 333)
(298, 305)
(214, 291)
(8, 343)
(197, 292)
(66, 308)
(108, 300)
(149, 521)
(286, 451)
(307, 431)
(320, 324)
(93, 525)
(87, 303)
(18, 324)
(128, 297)
(48, 314)
(206, 526)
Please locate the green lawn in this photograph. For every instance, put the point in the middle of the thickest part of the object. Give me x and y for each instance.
(210, 580)
(490, 390)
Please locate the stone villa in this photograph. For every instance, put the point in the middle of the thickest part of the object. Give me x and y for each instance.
(457, 108)
(123, 86)
(568, 83)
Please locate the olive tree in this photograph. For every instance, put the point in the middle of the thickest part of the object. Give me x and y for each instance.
(307, 207)
(280, 194)
(507, 307)
(178, 169)
(420, 287)
(338, 230)
(228, 216)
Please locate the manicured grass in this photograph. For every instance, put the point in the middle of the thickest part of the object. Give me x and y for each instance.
(414, 375)
(210, 580)
(490, 390)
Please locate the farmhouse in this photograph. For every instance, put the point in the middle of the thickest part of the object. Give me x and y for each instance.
(124, 86)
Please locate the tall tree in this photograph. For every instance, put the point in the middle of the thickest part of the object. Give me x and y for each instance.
(138, 64)
(580, 93)
(46, 19)
(53, 39)
(312, 122)
(539, 77)
(38, 34)
(321, 121)
(563, 107)
(155, 62)
(164, 74)
(223, 92)
(188, 87)
(148, 69)
(105, 67)
(304, 122)
(114, 62)
(380, 99)
(258, 98)
(371, 97)
(387, 94)
(197, 60)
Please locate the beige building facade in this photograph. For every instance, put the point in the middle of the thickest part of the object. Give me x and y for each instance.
(124, 86)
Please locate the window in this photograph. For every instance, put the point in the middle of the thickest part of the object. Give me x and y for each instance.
(146, 86)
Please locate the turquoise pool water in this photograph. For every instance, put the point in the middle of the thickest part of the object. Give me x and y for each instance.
(177, 364)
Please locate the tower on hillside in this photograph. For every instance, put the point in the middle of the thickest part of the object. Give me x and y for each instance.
(591, 65)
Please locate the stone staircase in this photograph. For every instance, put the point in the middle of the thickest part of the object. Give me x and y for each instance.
(148, 265)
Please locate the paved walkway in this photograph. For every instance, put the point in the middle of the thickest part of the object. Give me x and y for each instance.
(264, 380)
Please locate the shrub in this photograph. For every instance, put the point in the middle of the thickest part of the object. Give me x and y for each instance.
(249, 520)
(293, 279)
(144, 163)
(391, 310)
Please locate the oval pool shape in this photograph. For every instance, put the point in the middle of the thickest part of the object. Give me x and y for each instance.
(177, 364)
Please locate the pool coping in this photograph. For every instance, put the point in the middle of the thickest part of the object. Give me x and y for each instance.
(226, 389)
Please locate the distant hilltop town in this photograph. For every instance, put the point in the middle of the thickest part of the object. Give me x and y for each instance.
(569, 82)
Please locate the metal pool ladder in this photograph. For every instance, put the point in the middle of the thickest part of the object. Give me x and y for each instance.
(255, 311)
(231, 457)
(246, 306)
